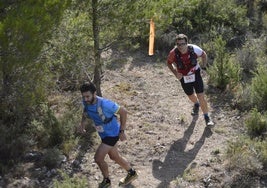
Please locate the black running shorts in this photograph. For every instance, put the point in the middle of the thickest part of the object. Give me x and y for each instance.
(111, 141)
(198, 85)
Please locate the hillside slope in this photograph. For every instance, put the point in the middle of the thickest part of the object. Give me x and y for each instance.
(166, 145)
(165, 142)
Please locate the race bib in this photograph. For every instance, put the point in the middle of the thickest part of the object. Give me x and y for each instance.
(189, 78)
(99, 129)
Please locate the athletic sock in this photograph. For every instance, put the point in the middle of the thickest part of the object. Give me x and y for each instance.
(131, 171)
(107, 180)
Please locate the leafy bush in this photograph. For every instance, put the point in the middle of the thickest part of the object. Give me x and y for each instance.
(261, 147)
(45, 129)
(70, 182)
(69, 121)
(246, 56)
(249, 56)
(243, 156)
(252, 60)
(246, 161)
(224, 72)
(52, 158)
(16, 112)
(243, 97)
(256, 124)
(259, 87)
(13, 144)
(203, 15)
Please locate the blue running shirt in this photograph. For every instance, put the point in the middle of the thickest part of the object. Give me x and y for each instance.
(109, 108)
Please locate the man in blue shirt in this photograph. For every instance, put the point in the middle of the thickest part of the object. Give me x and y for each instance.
(102, 111)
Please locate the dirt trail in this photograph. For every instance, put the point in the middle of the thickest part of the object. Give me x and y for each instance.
(164, 142)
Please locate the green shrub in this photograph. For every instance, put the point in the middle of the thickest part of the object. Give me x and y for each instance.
(12, 147)
(52, 158)
(247, 59)
(13, 138)
(243, 97)
(243, 156)
(259, 86)
(224, 71)
(70, 182)
(261, 147)
(256, 123)
(246, 162)
(68, 145)
(248, 54)
(69, 121)
(253, 92)
(45, 129)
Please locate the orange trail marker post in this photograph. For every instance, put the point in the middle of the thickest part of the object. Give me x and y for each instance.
(151, 38)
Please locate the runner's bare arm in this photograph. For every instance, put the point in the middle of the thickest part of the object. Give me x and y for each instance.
(204, 60)
(123, 117)
(174, 71)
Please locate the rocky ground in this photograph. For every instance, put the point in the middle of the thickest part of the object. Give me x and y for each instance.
(166, 145)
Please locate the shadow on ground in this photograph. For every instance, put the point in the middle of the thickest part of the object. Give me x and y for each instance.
(177, 159)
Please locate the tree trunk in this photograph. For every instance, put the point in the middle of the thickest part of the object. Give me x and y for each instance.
(97, 71)
(251, 9)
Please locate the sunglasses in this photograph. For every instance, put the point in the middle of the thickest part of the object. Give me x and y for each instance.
(181, 44)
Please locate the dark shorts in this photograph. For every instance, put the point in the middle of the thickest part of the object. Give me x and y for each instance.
(198, 85)
(111, 141)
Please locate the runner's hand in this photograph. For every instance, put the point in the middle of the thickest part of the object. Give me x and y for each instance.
(122, 136)
(179, 75)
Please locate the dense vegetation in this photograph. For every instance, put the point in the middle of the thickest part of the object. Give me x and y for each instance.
(51, 46)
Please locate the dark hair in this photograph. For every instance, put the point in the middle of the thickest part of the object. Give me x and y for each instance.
(181, 37)
(88, 86)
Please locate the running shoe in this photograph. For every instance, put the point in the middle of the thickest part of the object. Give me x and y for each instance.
(208, 121)
(105, 183)
(129, 178)
(195, 110)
